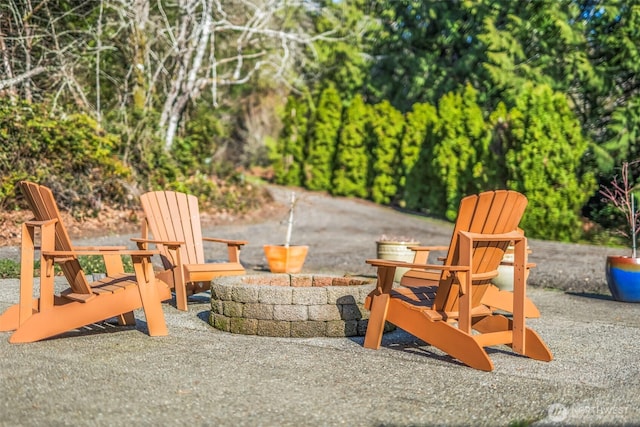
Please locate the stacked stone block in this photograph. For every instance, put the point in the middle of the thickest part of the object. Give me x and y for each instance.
(290, 305)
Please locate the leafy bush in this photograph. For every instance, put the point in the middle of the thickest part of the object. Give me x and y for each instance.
(195, 150)
(9, 269)
(386, 132)
(69, 154)
(231, 194)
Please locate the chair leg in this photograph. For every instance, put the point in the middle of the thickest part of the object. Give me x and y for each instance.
(535, 348)
(127, 319)
(180, 289)
(441, 335)
(59, 319)
(378, 303)
(181, 297)
(151, 295)
(10, 319)
(67, 315)
(377, 318)
(151, 304)
(457, 344)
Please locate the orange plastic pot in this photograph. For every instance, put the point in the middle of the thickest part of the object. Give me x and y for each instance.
(285, 259)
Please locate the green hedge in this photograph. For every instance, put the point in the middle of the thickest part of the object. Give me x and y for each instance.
(69, 154)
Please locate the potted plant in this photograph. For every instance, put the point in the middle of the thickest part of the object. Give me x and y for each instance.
(396, 248)
(504, 279)
(286, 258)
(623, 272)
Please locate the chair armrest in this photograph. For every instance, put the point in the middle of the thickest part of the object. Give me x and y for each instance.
(169, 243)
(510, 264)
(233, 247)
(500, 237)
(35, 223)
(99, 248)
(67, 254)
(386, 269)
(390, 263)
(225, 241)
(428, 248)
(112, 260)
(422, 252)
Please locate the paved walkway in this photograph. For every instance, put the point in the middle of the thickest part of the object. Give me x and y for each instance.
(111, 376)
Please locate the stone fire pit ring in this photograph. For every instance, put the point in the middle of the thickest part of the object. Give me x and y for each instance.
(290, 305)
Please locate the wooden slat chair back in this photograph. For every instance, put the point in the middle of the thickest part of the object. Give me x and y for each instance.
(172, 223)
(174, 217)
(44, 208)
(482, 213)
(444, 315)
(83, 303)
(492, 212)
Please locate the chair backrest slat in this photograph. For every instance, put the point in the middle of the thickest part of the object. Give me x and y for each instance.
(196, 230)
(153, 211)
(44, 207)
(491, 212)
(175, 216)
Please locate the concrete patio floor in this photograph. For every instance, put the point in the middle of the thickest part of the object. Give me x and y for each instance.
(110, 375)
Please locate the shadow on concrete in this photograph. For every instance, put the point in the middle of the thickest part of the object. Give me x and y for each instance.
(591, 295)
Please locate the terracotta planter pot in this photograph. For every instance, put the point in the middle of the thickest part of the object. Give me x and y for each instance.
(623, 278)
(285, 259)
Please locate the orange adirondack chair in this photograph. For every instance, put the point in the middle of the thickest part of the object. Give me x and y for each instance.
(466, 221)
(173, 219)
(83, 303)
(445, 315)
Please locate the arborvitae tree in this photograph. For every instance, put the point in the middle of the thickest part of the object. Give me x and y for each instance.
(457, 165)
(422, 128)
(386, 127)
(544, 163)
(477, 177)
(419, 123)
(323, 139)
(288, 153)
(351, 163)
(499, 128)
(424, 49)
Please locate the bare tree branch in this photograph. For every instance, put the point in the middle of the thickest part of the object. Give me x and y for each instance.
(152, 56)
(14, 81)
